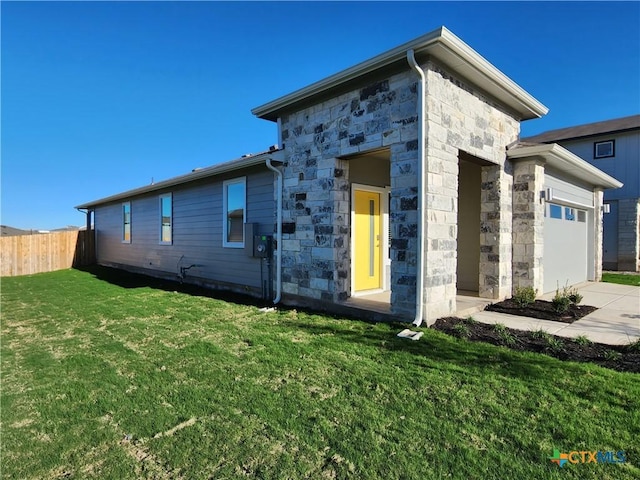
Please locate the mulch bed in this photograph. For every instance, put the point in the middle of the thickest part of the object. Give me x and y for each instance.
(624, 358)
(541, 309)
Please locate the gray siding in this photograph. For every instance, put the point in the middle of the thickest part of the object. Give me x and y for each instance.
(197, 231)
(624, 166)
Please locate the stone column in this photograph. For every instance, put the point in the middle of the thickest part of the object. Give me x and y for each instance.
(628, 234)
(528, 224)
(598, 201)
(495, 231)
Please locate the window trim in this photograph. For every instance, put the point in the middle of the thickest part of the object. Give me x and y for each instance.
(595, 149)
(160, 199)
(225, 184)
(124, 223)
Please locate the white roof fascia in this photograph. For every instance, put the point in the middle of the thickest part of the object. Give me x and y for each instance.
(441, 44)
(237, 164)
(565, 161)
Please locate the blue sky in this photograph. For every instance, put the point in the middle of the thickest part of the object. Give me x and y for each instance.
(98, 98)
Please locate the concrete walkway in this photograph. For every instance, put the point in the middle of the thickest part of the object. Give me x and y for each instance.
(616, 322)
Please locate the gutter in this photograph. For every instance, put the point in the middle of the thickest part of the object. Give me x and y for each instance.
(243, 162)
(421, 168)
(278, 172)
(566, 161)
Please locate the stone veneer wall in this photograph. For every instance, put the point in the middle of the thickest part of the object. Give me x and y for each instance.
(598, 202)
(528, 224)
(629, 234)
(461, 118)
(316, 256)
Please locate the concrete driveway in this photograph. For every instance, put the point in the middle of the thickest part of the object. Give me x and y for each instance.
(616, 322)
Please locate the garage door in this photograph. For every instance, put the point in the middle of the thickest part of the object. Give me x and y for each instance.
(565, 246)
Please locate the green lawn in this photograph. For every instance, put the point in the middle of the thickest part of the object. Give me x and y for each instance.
(622, 278)
(114, 379)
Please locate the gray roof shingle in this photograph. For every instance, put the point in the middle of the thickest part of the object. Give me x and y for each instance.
(588, 130)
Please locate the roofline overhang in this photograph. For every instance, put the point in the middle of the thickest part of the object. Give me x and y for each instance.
(440, 44)
(565, 161)
(206, 172)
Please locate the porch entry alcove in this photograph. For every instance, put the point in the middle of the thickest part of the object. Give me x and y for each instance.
(369, 176)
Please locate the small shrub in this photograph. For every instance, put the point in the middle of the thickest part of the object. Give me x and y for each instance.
(470, 320)
(554, 344)
(612, 355)
(504, 334)
(507, 338)
(499, 327)
(561, 300)
(564, 298)
(582, 340)
(634, 347)
(574, 296)
(524, 296)
(561, 304)
(462, 330)
(540, 333)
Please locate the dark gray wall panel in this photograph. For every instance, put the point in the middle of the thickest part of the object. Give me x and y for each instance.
(197, 231)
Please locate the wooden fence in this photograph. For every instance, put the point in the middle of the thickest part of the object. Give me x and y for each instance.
(45, 252)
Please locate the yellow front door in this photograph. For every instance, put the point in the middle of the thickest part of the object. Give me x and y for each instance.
(367, 240)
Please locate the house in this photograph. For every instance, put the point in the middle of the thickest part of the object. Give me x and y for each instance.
(402, 175)
(612, 146)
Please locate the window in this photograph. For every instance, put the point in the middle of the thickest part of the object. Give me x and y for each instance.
(234, 200)
(604, 149)
(582, 216)
(126, 222)
(166, 220)
(555, 211)
(569, 214)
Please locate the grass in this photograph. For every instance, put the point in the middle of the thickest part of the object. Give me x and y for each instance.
(118, 380)
(582, 340)
(622, 278)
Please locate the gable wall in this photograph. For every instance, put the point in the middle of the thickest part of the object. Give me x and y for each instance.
(459, 117)
(625, 165)
(383, 114)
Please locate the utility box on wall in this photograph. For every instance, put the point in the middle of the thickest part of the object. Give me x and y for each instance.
(262, 246)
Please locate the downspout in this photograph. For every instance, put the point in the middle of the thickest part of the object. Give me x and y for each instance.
(86, 259)
(421, 169)
(278, 230)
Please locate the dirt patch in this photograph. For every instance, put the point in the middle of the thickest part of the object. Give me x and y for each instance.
(541, 309)
(173, 430)
(624, 358)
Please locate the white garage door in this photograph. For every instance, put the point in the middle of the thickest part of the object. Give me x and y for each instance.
(565, 246)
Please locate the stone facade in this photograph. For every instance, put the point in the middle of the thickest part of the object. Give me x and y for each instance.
(461, 119)
(528, 224)
(629, 234)
(598, 202)
(384, 114)
(316, 256)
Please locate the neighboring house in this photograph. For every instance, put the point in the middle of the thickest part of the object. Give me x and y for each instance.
(613, 146)
(401, 174)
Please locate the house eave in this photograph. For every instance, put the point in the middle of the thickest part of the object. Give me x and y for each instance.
(562, 159)
(206, 172)
(442, 45)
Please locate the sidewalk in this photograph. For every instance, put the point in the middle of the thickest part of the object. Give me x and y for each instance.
(616, 322)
